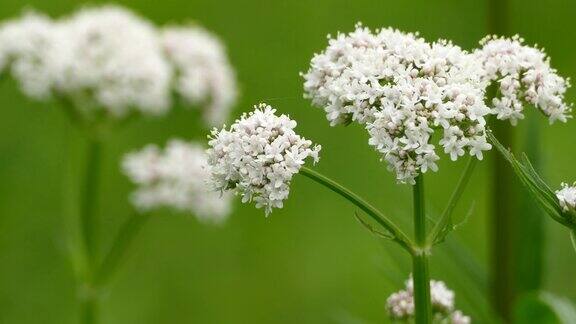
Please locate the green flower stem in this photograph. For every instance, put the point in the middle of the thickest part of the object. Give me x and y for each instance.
(88, 224)
(89, 310)
(371, 211)
(90, 198)
(120, 246)
(446, 217)
(421, 276)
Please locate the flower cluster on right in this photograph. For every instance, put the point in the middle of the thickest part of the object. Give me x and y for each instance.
(403, 89)
(400, 305)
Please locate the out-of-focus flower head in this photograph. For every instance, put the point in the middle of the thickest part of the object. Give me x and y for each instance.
(176, 177)
(257, 157)
(204, 76)
(402, 89)
(109, 61)
(522, 75)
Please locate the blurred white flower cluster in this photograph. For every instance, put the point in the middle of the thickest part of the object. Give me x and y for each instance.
(522, 75)
(400, 305)
(204, 75)
(177, 178)
(402, 89)
(257, 157)
(107, 60)
(567, 197)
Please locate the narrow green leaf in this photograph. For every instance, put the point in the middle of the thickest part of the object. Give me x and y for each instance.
(533, 182)
(371, 229)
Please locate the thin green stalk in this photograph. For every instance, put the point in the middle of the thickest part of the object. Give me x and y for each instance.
(90, 198)
(446, 217)
(88, 223)
(89, 310)
(371, 211)
(422, 300)
(120, 246)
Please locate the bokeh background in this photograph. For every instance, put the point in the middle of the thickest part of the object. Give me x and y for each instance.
(310, 262)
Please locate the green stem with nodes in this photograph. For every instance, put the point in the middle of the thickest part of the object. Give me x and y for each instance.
(445, 221)
(121, 244)
(371, 211)
(421, 276)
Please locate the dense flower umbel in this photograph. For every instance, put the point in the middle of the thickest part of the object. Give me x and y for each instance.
(176, 177)
(523, 75)
(111, 61)
(400, 305)
(257, 157)
(402, 89)
(567, 197)
(204, 75)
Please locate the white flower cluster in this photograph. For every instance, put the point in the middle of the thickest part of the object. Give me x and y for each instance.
(400, 305)
(567, 197)
(176, 177)
(523, 75)
(204, 75)
(258, 156)
(107, 60)
(402, 89)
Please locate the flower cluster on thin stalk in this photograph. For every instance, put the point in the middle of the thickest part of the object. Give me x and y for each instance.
(257, 157)
(402, 89)
(400, 305)
(176, 177)
(109, 61)
(522, 75)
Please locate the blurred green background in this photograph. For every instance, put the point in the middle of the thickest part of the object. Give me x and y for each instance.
(310, 262)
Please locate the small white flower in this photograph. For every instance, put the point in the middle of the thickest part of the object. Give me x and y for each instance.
(567, 197)
(176, 177)
(400, 305)
(459, 318)
(522, 75)
(402, 89)
(257, 157)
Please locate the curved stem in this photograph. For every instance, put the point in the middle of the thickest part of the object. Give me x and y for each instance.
(371, 211)
(446, 217)
(422, 300)
(121, 244)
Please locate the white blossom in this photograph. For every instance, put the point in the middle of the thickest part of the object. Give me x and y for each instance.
(459, 318)
(177, 178)
(26, 47)
(522, 75)
(402, 89)
(257, 157)
(109, 61)
(116, 56)
(400, 305)
(567, 197)
(204, 75)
